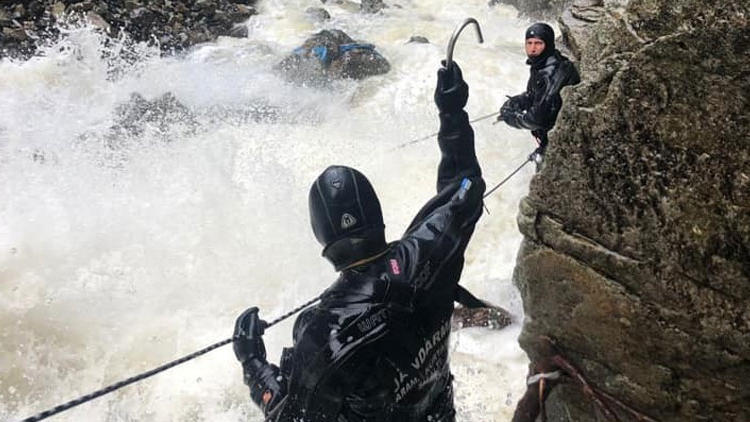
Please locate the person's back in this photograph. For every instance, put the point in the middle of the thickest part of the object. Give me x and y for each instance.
(376, 347)
(380, 357)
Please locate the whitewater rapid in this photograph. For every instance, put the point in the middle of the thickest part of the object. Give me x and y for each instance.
(113, 261)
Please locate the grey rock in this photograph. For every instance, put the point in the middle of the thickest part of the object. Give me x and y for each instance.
(142, 23)
(636, 256)
(317, 14)
(239, 31)
(538, 9)
(418, 39)
(239, 13)
(16, 34)
(371, 6)
(19, 12)
(587, 13)
(81, 7)
(98, 21)
(131, 4)
(35, 8)
(330, 55)
(164, 117)
(492, 317)
(576, 31)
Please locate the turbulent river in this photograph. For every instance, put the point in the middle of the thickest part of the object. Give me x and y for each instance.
(119, 255)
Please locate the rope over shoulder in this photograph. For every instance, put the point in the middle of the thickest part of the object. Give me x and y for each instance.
(116, 386)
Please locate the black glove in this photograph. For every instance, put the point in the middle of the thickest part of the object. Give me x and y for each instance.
(512, 118)
(248, 343)
(513, 105)
(508, 107)
(451, 92)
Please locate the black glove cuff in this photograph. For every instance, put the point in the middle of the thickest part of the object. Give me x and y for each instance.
(267, 386)
(253, 366)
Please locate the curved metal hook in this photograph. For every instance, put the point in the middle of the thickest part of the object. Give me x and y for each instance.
(454, 38)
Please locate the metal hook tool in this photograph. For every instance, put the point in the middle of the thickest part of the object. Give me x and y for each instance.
(454, 38)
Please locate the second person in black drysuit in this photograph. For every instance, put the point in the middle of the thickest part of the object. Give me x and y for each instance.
(376, 346)
(537, 108)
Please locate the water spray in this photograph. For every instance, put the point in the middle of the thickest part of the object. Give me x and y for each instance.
(116, 386)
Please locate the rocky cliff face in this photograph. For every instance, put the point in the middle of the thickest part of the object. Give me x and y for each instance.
(636, 258)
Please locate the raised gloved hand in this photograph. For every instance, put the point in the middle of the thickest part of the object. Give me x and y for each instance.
(248, 340)
(451, 92)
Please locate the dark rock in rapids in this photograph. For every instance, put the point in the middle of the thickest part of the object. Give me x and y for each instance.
(418, 39)
(317, 14)
(330, 55)
(371, 6)
(165, 117)
(492, 317)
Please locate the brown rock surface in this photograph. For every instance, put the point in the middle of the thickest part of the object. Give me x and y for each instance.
(636, 257)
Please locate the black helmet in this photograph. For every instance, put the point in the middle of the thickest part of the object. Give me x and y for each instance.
(545, 33)
(345, 216)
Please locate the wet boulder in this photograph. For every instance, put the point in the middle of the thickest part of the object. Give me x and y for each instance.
(492, 317)
(371, 6)
(164, 117)
(418, 39)
(536, 9)
(317, 14)
(331, 55)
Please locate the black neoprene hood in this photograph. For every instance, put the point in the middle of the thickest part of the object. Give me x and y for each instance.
(543, 32)
(345, 216)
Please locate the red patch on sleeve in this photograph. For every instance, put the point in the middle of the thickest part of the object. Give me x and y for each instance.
(395, 269)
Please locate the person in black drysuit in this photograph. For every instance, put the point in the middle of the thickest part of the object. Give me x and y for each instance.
(376, 346)
(537, 108)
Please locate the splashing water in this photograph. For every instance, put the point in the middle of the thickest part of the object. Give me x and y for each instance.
(118, 254)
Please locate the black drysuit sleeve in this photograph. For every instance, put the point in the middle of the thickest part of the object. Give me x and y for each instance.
(268, 383)
(432, 247)
(316, 383)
